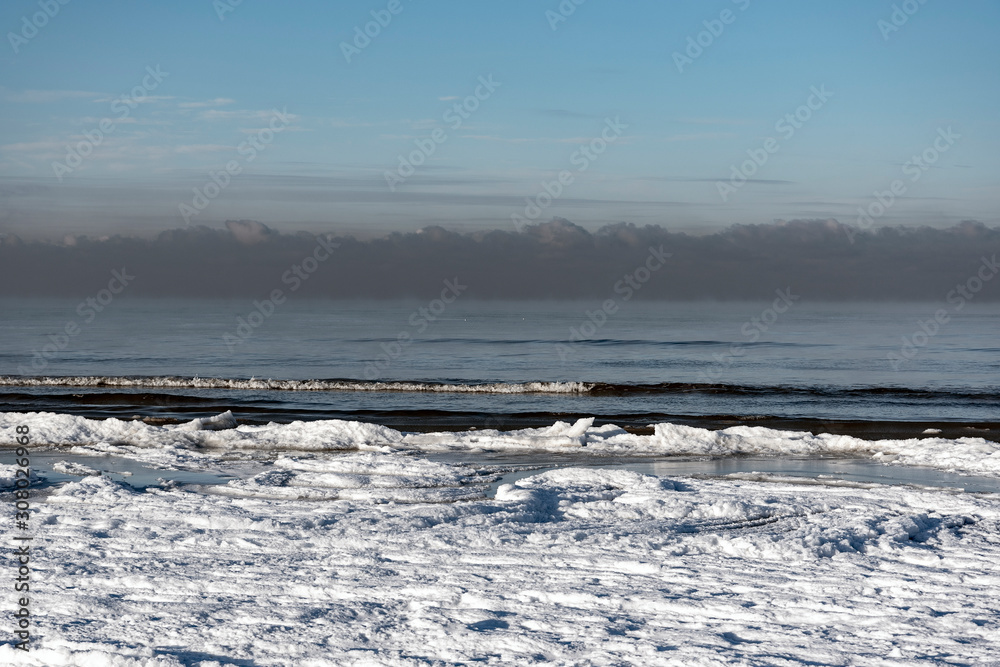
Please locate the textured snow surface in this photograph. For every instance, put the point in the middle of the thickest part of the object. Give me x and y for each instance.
(576, 566)
(964, 455)
(352, 549)
(361, 476)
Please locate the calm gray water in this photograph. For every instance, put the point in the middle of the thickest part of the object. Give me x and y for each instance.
(852, 367)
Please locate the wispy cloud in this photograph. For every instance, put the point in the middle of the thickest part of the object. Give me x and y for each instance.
(424, 123)
(217, 102)
(148, 99)
(45, 96)
(349, 123)
(201, 148)
(755, 181)
(701, 136)
(33, 146)
(524, 140)
(565, 113)
(94, 120)
(713, 121)
(240, 114)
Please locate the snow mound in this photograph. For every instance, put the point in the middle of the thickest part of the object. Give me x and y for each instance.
(93, 489)
(73, 468)
(220, 432)
(8, 476)
(964, 455)
(217, 423)
(374, 477)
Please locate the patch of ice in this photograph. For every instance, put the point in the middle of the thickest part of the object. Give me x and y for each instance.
(73, 468)
(221, 422)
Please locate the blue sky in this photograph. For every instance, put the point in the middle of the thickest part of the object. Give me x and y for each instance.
(347, 123)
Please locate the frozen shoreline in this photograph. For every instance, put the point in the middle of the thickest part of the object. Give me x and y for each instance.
(343, 543)
(872, 412)
(205, 437)
(57, 467)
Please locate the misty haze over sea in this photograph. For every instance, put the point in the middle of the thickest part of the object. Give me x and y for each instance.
(821, 260)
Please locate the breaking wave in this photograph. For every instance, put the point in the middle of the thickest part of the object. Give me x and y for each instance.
(170, 382)
(534, 387)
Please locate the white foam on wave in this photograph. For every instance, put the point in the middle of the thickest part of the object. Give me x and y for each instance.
(964, 455)
(257, 384)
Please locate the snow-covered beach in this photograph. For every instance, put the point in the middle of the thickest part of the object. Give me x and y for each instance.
(355, 546)
(427, 334)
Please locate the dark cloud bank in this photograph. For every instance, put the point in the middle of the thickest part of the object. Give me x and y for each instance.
(817, 259)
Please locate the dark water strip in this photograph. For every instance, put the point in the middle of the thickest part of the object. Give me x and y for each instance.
(163, 409)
